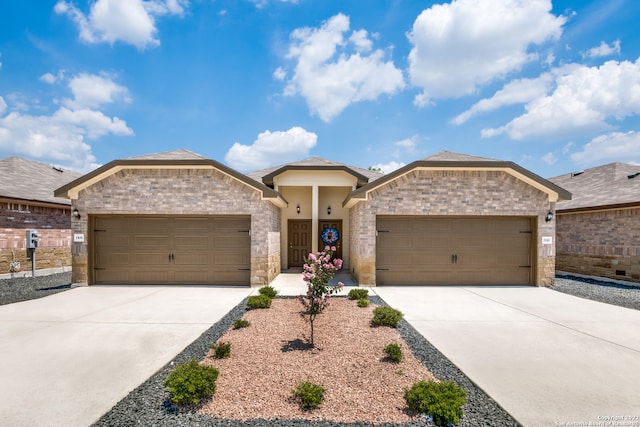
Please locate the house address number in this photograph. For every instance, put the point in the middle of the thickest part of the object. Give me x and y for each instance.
(78, 238)
(547, 240)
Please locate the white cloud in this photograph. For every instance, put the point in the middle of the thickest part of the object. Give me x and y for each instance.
(582, 101)
(515, 92)
(90, 90)
(615, 146)
(389, 167)
(62, 137)
(330, 76)
(262, 3)
(549, 158)
(462, 45)
(603, 49)
(48, 78)
(129, 21)
(271, 148)
(279, 74)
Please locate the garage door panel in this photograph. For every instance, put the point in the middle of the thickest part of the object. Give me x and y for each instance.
(459, 250)
(171, 250)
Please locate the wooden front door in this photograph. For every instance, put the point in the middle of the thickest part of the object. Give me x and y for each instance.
(299, 241)
(337, 225)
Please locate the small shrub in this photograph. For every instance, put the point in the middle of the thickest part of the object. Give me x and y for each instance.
(240, 323)
(443, 400)
(309, 394)
(268, 291)
(386, 316)
(394, 352)
(363, 303)
(191, 382)
(221, 350)
(259, 301)
(358, 294)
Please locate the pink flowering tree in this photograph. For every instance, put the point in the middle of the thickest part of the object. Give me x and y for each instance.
(319, 269)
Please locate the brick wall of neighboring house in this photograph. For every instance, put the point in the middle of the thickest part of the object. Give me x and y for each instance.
(181, 192)
(424, 192)
(604, 243)
(53, 226)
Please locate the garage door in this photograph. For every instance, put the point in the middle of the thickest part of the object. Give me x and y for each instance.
(171, 250)
(453, 251)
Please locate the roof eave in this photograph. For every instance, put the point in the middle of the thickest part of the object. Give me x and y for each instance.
(269, 178)
(555, 192)
(71, 190)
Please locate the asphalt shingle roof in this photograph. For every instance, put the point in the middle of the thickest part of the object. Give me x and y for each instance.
(607, 185)
(182, 154)
(28, 180)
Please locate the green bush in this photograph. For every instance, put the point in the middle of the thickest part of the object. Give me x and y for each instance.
(358, 294)
(240, 323)
(221, 350)
(190, 382)
(386, 316)
(443, 400)
(259, 301)
(363, 302)
(310, 395)
(268, 291)
(394, 352)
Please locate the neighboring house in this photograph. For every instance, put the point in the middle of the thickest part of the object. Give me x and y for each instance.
(598, 231)
(178, 217)
(27, 203)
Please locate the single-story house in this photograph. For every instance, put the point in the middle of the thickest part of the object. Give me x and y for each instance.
(599, 229)
(178, 217)
(27, 203)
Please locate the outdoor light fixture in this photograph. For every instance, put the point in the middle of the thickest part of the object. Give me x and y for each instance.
(298, 209)
(329, 210)
(549, 216)
(76, 214)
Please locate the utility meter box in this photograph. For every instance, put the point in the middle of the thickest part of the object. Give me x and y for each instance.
(32, 239)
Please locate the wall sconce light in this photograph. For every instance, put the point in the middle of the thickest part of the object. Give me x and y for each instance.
(549, 216)
(329, 210)
(76, 214)
(298, 209)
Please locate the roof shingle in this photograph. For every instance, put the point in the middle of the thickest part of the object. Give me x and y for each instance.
(28, 180)
(607, 185)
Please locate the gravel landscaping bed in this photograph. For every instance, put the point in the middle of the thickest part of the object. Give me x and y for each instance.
(27, 288)
(607, 292)
(145, 405)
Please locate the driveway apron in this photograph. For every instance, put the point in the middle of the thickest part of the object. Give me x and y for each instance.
(66, 359)
(548, 358)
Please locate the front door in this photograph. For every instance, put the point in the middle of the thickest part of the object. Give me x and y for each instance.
(299, 241)
(330, 234)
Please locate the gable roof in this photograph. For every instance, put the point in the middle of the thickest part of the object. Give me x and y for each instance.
(33, 181)
(607, 186)
(177, 159)
(446, 160)
(266, 176)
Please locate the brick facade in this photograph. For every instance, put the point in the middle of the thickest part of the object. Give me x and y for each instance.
(459, 193)
(601, 243)
(181, 192)
(53, 225)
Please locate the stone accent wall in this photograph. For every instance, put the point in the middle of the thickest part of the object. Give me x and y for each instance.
(459, 193)
(53, 226)
(181, 192)
(605, 243)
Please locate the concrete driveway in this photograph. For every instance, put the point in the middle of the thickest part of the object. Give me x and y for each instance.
(66, 359)
(548, 358)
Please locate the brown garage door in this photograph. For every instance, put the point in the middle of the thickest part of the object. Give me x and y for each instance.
(171, 250)
(453, 251)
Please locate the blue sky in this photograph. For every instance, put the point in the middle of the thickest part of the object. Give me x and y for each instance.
(554, 87)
